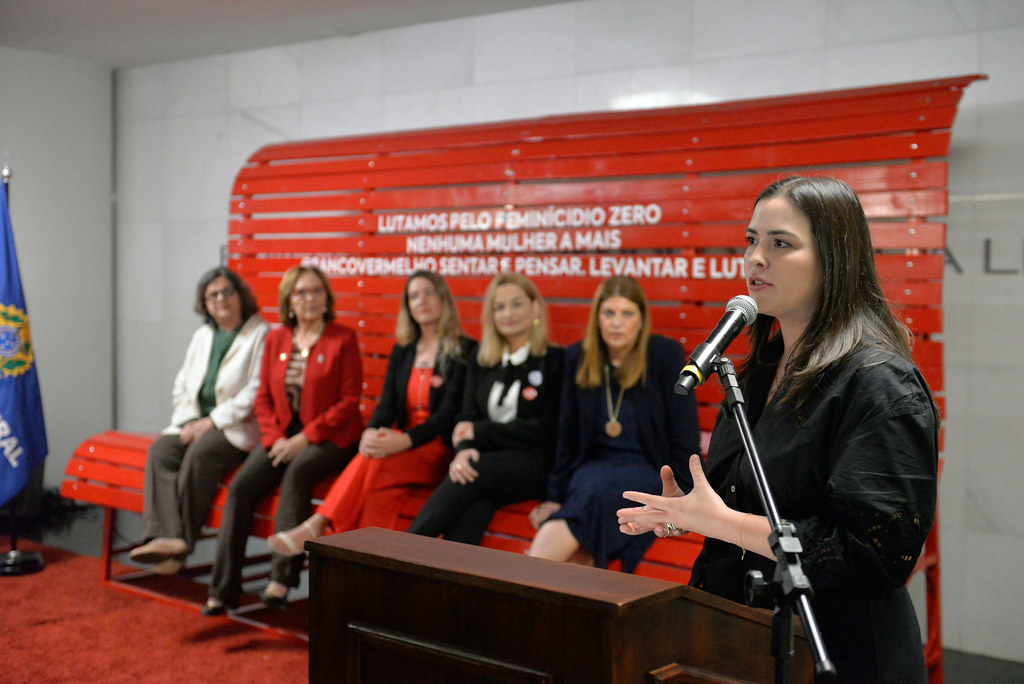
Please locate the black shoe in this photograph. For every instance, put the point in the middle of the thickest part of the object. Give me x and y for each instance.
(275, 602)
(212, 610)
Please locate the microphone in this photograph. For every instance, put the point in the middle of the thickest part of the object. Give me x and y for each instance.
(739, 313)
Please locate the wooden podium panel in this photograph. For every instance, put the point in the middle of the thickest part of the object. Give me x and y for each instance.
(388, 607)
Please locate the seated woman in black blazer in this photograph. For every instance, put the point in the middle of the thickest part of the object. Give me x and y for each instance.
(505, 435)
(620, 419)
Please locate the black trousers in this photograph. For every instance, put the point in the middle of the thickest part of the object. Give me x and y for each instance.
(462, 512)
(254, 480)
(181, 480)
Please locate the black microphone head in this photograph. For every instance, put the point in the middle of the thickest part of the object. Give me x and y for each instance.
(744, 304)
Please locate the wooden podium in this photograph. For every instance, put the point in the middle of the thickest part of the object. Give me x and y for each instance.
(388, 607)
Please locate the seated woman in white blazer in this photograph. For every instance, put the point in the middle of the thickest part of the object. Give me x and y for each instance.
(212, 425)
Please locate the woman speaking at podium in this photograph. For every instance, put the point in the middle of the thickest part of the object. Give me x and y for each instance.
(845, 427)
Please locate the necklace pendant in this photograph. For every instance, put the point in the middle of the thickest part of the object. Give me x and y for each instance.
(305, 352)
(613, 428)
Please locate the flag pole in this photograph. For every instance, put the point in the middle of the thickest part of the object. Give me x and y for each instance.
(16, 562)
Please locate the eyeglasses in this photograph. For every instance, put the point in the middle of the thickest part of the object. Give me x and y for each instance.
(219, 294)
(311, 292)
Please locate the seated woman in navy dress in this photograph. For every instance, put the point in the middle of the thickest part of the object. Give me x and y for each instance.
(620, 419)
(505, 435)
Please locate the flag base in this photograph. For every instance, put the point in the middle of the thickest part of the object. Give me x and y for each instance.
(20, 563)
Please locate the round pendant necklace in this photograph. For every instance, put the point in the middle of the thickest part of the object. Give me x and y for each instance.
(613, 428)
(304, 348)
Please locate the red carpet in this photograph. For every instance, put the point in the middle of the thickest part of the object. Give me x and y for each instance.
(62, 625)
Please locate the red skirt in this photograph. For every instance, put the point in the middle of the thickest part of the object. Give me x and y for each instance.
(370, 492)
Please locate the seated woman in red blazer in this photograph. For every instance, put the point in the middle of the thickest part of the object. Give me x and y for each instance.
(308, 412)
(407, 443)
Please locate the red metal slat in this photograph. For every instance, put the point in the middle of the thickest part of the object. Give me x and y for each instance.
(130, 455)
(138, 441)
(915, 267)
(669, 574)
(921, 320)
(908, 235)
(914, 293)
(381, 346)
(681, 551)
(120, 499)
(116, 475)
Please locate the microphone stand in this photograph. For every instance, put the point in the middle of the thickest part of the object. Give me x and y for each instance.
(790, 585)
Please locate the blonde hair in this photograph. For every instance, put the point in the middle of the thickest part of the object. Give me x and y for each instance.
(449, 328)
(491, 341)
(284, 293)
(590, 373)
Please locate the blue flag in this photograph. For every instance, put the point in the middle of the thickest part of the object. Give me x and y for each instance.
(22, 432)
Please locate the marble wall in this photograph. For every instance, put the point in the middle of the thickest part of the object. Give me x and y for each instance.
(183, 129)
(56, 135)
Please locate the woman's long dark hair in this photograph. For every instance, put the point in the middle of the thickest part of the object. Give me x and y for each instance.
(853, 311)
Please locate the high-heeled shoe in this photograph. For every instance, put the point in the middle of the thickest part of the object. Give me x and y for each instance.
(275, 602)
(213, 608)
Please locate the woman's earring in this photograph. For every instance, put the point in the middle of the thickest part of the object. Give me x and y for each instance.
(291, 315)
(536, 322)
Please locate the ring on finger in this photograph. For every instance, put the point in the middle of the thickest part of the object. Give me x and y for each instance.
(671, 527)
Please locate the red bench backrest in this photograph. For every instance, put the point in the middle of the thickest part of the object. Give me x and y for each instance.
(569, 200)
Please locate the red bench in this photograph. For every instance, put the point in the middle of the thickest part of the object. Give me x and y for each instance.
(107, 470)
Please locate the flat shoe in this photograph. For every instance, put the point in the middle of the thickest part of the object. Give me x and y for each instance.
(158, 550)
(171, 566)
(275, 602)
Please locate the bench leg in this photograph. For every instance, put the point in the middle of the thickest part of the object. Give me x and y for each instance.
(106, 552)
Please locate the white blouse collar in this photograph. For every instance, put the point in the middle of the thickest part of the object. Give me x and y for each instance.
(517, 357)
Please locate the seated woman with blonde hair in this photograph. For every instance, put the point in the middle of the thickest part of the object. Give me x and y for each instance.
(406, 444)
(620, 419)
(505, 436)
